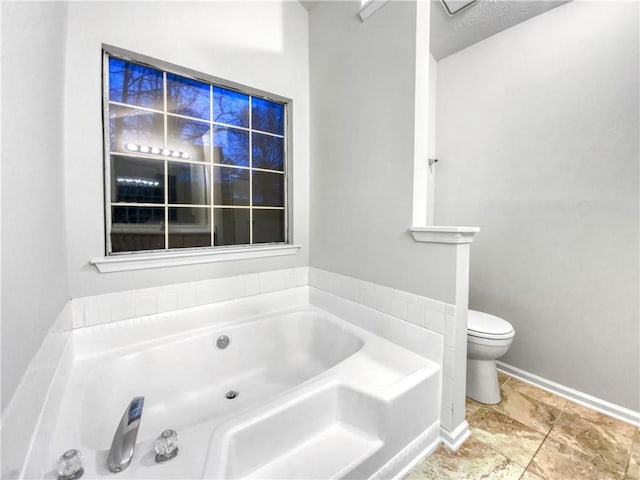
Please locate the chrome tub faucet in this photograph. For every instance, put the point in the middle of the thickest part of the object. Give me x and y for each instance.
(124, 440)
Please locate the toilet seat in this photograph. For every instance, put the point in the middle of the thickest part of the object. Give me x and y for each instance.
(485, 326)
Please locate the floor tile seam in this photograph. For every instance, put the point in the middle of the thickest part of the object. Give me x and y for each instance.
(626, 470)
(506, 414)
(593, 455)
(503, 455)
(580, 454)
(500, 453)
(538, 450)
(513, 419)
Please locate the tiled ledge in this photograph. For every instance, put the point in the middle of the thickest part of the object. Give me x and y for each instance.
(114, 307)
(421, 311)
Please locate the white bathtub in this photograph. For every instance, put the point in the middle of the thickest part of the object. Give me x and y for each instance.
(318, 397)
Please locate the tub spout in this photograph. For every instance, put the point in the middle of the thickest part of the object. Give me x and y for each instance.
(124, 440)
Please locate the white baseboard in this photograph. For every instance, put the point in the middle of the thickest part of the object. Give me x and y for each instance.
(454, 439)
(585, 399)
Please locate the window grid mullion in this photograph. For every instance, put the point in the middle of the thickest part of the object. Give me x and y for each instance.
(250, 170)
(166, 163)
(201, 120)
(192, 162)
(211, 181)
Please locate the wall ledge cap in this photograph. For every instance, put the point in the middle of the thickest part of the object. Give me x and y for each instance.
(370, 7)
(444, 234)
(135, 261)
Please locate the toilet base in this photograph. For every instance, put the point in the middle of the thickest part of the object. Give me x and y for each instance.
(482, 381)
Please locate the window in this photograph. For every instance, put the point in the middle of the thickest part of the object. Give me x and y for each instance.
(190, 162)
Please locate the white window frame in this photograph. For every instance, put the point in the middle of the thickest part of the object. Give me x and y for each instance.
(117, 261)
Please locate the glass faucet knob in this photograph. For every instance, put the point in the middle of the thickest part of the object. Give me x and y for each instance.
(70, 465)
(167, 443)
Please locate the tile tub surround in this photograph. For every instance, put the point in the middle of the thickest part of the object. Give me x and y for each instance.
(416, 322)
(537, 435)
(447, 320)
(383, 303)
(114, 307)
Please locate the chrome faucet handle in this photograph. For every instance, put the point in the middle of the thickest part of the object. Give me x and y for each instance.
(70, 465)
(166, 446)
(124, 440)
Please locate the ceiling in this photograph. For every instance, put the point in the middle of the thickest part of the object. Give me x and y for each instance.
(479, 21)
(450, 34)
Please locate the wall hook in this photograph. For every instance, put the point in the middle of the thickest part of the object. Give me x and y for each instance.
(432, 161)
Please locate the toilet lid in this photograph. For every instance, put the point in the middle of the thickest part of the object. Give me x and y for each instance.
(483, 325)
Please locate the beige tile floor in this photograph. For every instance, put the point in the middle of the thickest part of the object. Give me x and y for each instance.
(536, 435)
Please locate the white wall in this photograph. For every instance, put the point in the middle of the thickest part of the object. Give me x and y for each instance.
(362, 102)
(537, 135)
(259, 44)
(34, 274)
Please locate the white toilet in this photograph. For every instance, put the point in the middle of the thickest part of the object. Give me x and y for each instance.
(488, 338)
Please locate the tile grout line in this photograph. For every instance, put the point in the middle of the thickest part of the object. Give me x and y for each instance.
(546, 436)
(538, 449)
(526, 468)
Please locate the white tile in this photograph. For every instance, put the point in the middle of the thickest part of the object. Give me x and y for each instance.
(434, 321)
(205, 292)
(367, 295)
(167, 302)
(431, 303)
(383, 299)
(300, 276)
(350, 289)
(399, 308)
(272, 281)
(416, 314)
(403, 296)
(332, 283)
(314, 273)
(328, 282)
(186, 296)
(95, 313)
(236, 287)
(450, 331)
(121, 306)
(144, 304)
(252, 283)
(77, 312)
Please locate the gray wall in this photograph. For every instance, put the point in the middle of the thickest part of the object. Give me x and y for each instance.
(259, 44)
(362, 147)
(34, 274)
(537, 135)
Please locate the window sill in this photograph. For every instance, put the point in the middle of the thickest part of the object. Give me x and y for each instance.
(141, 261)
(444, 234)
